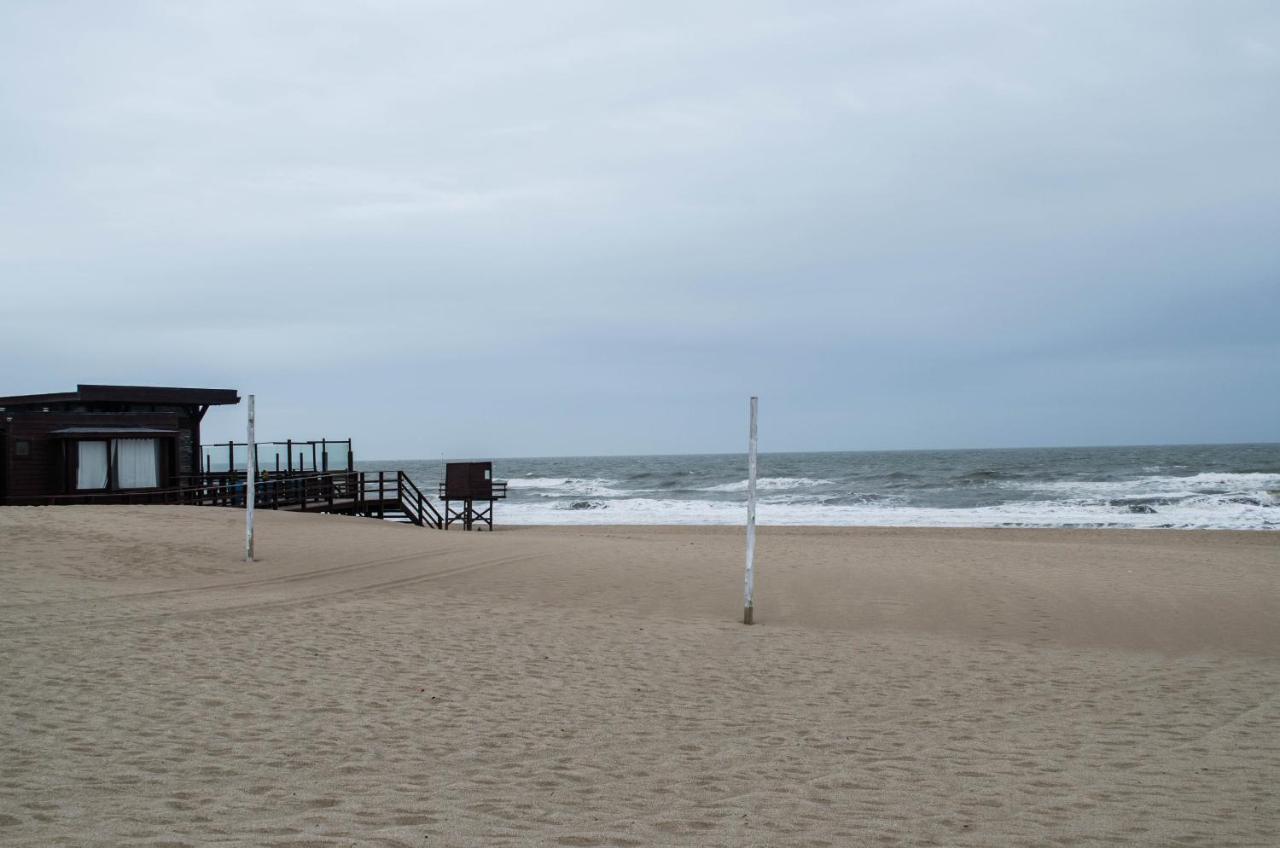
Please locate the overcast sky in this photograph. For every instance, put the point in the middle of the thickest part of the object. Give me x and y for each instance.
(506, 229)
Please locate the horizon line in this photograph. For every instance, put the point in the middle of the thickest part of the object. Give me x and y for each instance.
(828, 451)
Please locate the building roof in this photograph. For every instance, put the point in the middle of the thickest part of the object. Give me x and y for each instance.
(112, 431)
(130, 394)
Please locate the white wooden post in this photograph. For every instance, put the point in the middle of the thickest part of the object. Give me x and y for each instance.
(250, 484)
(748, 608)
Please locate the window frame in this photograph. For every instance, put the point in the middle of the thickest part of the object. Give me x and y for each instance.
(162, 445)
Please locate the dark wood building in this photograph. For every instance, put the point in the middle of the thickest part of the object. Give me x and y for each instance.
(99, 440)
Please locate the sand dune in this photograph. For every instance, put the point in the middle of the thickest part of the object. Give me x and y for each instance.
(374, 684)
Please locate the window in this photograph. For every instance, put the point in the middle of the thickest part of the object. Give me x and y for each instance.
(22, 448)
(91, 466)
(118, 464)
(135, 463)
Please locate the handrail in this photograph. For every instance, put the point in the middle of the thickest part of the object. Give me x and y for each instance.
(426, 513)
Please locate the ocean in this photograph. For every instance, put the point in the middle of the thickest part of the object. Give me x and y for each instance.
(1233, 487)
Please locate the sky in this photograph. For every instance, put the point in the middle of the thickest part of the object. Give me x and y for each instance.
(516, 229)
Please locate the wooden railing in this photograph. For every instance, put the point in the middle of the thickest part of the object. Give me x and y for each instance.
(416, 506)
(497, 492)
(373, 493)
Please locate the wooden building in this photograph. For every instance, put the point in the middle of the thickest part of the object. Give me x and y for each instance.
(101, 440)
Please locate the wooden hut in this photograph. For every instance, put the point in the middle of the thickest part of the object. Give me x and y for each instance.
(101, 440)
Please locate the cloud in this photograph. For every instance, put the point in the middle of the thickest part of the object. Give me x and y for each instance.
(697, 200)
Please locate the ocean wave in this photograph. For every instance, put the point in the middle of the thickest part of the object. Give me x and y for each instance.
(1202, 512)
(1250, 484)
(579, 505)
(558, 487)
(537, 482)
(764, 484)
(983, 475)
(829, 499)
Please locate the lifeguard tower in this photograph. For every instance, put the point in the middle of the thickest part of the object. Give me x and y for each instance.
(469, 484)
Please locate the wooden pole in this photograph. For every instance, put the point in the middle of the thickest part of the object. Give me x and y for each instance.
(748, 609)
(250, 484)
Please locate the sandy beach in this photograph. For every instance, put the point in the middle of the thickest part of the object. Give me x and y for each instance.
(374, 684)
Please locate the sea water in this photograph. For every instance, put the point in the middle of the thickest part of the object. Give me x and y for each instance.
(1186, 486)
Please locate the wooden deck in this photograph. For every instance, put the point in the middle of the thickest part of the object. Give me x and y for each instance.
(377, 494)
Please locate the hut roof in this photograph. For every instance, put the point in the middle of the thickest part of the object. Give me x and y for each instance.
(130, 394)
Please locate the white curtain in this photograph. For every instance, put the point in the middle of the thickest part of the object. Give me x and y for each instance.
(91, 469)
(135, 463)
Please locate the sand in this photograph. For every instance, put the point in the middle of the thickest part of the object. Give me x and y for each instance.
(374, 684)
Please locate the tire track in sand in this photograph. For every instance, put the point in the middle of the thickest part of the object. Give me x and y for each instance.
(276, 603)
(237, 584)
